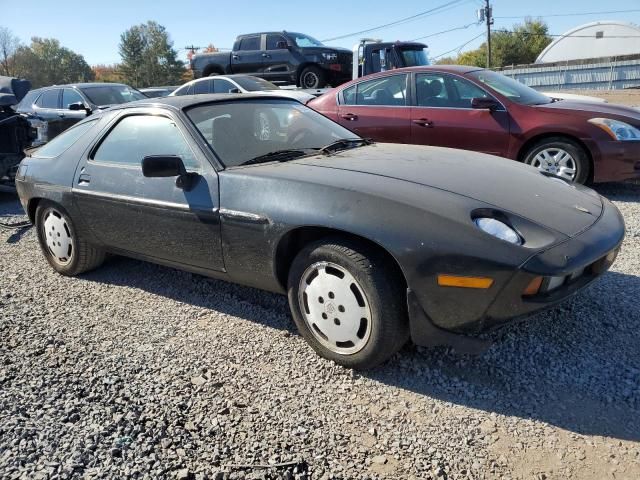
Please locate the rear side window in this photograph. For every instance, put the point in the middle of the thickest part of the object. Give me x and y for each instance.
(182, 91)
(386, 91)
(28, 100)
(63, 141)
(136, 136)
(250, 43)
(49, 99)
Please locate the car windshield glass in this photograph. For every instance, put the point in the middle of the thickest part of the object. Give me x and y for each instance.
(111, 94)
(510, 88)
(415, 57)
(305, 40)
(241, 131)
(255, 84)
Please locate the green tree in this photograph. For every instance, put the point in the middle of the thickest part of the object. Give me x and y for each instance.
(46, 62)
(148, 56)
(519, 46)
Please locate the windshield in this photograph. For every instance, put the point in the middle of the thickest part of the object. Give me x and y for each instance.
(111, 94)
(302, 40)
(242, 130)
(510, 88)
(415, 57)
(255, 84)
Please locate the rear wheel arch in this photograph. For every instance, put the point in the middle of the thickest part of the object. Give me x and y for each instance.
(32, 206)
(297, 239)
(530, 143)
(212, 70)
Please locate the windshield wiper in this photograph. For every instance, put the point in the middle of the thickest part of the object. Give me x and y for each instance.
(279, 156)
(345, 143)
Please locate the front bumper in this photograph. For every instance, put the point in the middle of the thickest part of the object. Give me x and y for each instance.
(615, 161)
(567, 268)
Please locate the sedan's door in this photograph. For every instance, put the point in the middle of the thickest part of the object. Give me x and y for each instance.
(377, 109)
(248, 58)
(150, 217)
(442, 116)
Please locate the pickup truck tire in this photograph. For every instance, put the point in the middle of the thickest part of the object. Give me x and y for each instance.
(312, 77)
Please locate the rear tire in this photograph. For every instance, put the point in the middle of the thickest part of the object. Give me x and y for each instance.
(560, 156)
(313, 77)
(65, 249)
(348, 302)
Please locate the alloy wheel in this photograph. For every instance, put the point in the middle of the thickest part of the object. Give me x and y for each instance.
(556, 161)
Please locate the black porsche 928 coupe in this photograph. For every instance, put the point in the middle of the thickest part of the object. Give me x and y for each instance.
(375, 244)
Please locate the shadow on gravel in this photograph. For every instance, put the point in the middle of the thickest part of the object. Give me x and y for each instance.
(576, 367)
(623, 192)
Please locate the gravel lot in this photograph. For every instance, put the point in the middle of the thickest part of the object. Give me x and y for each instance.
(141, 371)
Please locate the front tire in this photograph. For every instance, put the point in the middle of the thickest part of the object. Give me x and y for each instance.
(348, 302)
(313, 77)
(66, 251)
(560, 156)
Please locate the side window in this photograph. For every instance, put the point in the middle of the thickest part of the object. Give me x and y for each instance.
(28, 101)
(49, 99)
(349, 95)
(465, 91)
(273, 40)
(431, 91)
(202, 87)
(222, 86)
(182, 91)
(136, 136)
(250, 43)
(69, 96)
(386, 91)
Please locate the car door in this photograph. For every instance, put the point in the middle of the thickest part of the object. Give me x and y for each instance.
(442, 116)
(277, 59)
(377, 109)
(150, 217)
(71, 117)
(248, 57)
(47, 107)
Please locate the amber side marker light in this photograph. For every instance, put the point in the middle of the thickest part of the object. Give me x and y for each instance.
(533, 287)
(464, 282)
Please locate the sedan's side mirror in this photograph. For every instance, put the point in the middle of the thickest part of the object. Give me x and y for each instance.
(168, 166)
(484, 103)
(234, 90)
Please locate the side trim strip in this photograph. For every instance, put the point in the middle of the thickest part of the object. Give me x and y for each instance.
(243, 216)
(136, 200)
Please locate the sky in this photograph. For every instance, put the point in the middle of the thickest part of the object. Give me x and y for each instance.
(93, 29)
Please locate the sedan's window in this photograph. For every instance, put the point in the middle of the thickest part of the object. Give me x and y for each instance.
(49, 99)
(63, 141)
(250, 43)
(222, 86)
(255, 84)
(205, 86)
(241, 130)
(384, 91)
(466, 91)
(69, 96)
(182, 91)
(136, 136)
(431, 90)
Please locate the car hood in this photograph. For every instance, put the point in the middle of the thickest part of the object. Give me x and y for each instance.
(591, 109)
(505, 184)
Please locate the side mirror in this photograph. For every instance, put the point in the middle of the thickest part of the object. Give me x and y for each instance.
(76, 107)
(281, 45)
(483, 103)
(168, 166)
(234, 90)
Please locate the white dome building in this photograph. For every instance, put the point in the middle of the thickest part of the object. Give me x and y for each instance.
(594, 40)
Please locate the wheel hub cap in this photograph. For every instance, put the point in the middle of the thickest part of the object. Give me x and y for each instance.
(335, 308)
(58, 237)
(556, 161)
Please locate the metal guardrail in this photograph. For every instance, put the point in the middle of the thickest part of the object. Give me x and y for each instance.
(598, 74)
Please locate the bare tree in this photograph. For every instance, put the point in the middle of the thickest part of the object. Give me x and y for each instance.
(9, 43)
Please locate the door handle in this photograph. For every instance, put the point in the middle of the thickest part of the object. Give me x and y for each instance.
(423, 122)
(266, 55)
(61, 115)
(84, 179)
(235, 57)
(349, 116)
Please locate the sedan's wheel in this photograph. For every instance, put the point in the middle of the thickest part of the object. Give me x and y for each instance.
(561, 157)
(349, 302)
(66, 251)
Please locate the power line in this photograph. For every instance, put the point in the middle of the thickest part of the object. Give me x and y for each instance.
(635, 10)
(459, 47)
(445, 31)
(431, 11)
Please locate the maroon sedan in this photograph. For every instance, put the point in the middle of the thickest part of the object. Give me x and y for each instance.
(481, 110)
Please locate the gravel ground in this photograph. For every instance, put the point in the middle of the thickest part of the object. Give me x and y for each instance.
(141, 371)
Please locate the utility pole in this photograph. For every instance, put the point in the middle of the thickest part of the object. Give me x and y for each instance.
(489, 19)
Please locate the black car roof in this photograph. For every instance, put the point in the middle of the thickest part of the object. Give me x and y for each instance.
(183, 101)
